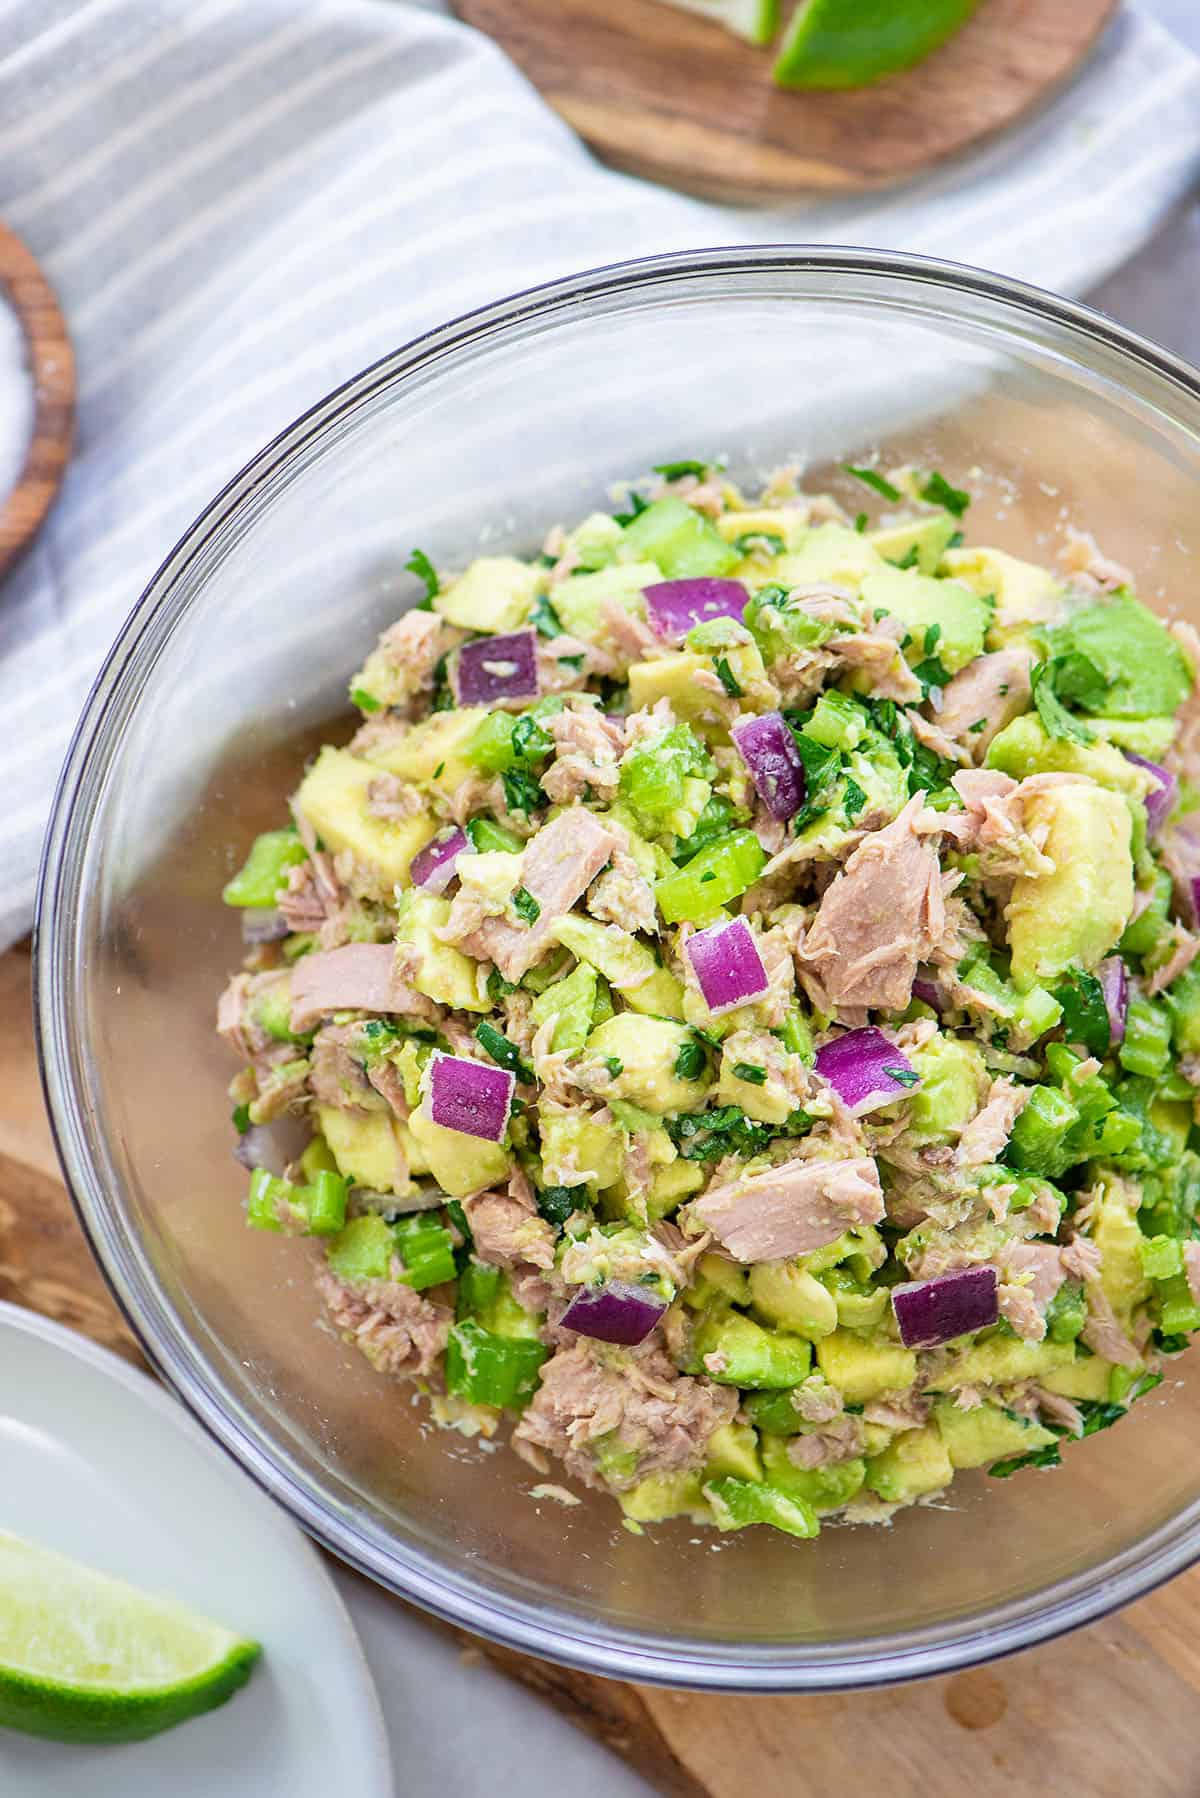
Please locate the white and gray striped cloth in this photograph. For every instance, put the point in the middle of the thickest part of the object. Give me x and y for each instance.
(242, 202)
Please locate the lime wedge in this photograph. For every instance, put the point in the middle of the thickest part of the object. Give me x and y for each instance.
(849, 43)
(85, 1658)
(755, 20)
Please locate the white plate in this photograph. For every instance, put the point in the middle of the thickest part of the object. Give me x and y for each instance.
(99, 1462)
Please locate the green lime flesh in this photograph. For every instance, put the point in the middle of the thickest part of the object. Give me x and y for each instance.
(850, 43)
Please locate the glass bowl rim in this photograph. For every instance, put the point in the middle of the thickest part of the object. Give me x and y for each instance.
(551, 1632)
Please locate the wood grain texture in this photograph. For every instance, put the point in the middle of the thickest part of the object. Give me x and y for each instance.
(1098, 1715)
(51, 363)
(665, 94)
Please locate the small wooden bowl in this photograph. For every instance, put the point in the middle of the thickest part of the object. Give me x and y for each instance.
(51, 362)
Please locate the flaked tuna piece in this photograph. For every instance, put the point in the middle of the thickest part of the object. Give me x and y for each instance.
(898, 1411)
(1059, 1411)
(1080, 1257)
(1030, 1275)
(587, 750)
(357, 977)
(932, 736)
(988, 1131)
(507, 1229)
(1089, 568)
(401, 1332)
(637, 1396)
(1103, 1334)
(235, 1020)
(879, 918)
(791, 1209)
(1186, 949)
(393, 799)
(338, 1077)
(878, 656)
(983, 697)
(408, 655)
(839, 1440)
(560, 863)
(623, 896)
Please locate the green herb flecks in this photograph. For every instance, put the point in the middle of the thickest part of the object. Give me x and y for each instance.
(504, 1053)
(750, 1072)
(938, 491)
(727, 678)
(420, 565)
(876, 482)
(526, 906)
(691, 1061)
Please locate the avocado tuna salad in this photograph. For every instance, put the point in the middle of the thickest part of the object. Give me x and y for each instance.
(729, 1017)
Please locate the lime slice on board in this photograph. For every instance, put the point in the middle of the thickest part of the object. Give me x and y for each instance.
(755, 20)
(850, 43)
(86, 1658)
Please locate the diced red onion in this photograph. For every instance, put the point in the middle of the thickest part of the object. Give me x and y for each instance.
(727, 965)
(263, 924)
(865, 1070)
(614, 1312)
(273, 1145)
(1114, 983)
(433, 867)
(495, 668)
(469, 1097)
(673, 607)
(768, 748)
(928, 992)
(1160, 802)
(930, 1312)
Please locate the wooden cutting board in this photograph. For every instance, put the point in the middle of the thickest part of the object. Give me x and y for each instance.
(1098, 1715)
(665, 94)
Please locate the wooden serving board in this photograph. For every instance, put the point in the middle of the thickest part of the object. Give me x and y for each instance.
(663, 93)
(51, 364)
(1098, 1715)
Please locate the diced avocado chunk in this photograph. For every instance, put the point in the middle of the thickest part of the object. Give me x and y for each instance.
(1000, 1360)
(271, 1009)
(828, 552)
(432, 753)
(440, 971)
(1024, 748)
(459, 1163)
(784, 1293)
(733, 1449)
(736, 1504)
(1075, 915)
(955, 618)
(579, 600)
(952, 1080)
(1023, 592)
(786, 523)
(333, 798)
(363, 1250)
(265, 871)
(673, 677)
(569, 1003)
(624, 962)
(862, 1369)
(824, 1488)
(915, 1463)
(986, 1433)
(495, 593)
(716, 1275)
(641, 1054)
(664, 1495)
(1147, 671)
(1151, 737)
(1087, 1378)
(680, 540)
(919, 542)
(365, 1147)
(1115, 1233)
(572, 1138)
(769, 1101)
(735, 1351)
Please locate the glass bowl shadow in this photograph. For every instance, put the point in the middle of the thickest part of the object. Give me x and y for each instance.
(228, 671)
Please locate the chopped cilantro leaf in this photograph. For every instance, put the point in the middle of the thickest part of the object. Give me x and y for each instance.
(544, 618)
(498, 987)
(1085, 1014)
(860, 522)
(907, 560)
(691, 1061)
(751, 540)
(1056, 720)
(556, 1203)
(938, 491)
(904, 1076)
(933, 637)
(727, 678)
(726, 1130)
(707, 875)
(637, 505)
(526, 906)
(1050, 1456)
(505, 1054)
(439, 771)
(750, 1072)
(575, 662)
(675, 471)
(521, 791)
(876, 482)
(979, 724)
(366, 702)
(529, 739)
(931, 673)
(853, 799)
(615, 1066)
(241, 1119)
(420, 565)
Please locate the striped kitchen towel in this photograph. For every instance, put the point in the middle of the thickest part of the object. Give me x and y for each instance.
(242, 202)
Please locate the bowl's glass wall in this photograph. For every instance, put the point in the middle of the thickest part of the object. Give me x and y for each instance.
(200, 730)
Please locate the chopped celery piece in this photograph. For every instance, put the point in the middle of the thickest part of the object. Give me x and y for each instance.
(738, 1503)
(1066, 1314)
(797, 1035)
(1147, 1045)
(265, 1189)
(363, 1250)
(427, 1250)
(318, 1209)
(836, 722)
(489, 1369)
(1162, 1256)
(717, 874)
(679, 539)
(1036, 1141)
(1143, 932)
(1178, 1310)
(265, 870)
(486, 834)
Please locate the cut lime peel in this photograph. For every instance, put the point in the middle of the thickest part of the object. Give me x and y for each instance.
(755, 20)
(87, 1658)
(852, 43)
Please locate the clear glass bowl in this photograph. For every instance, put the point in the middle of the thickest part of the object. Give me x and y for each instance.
(237, 653)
